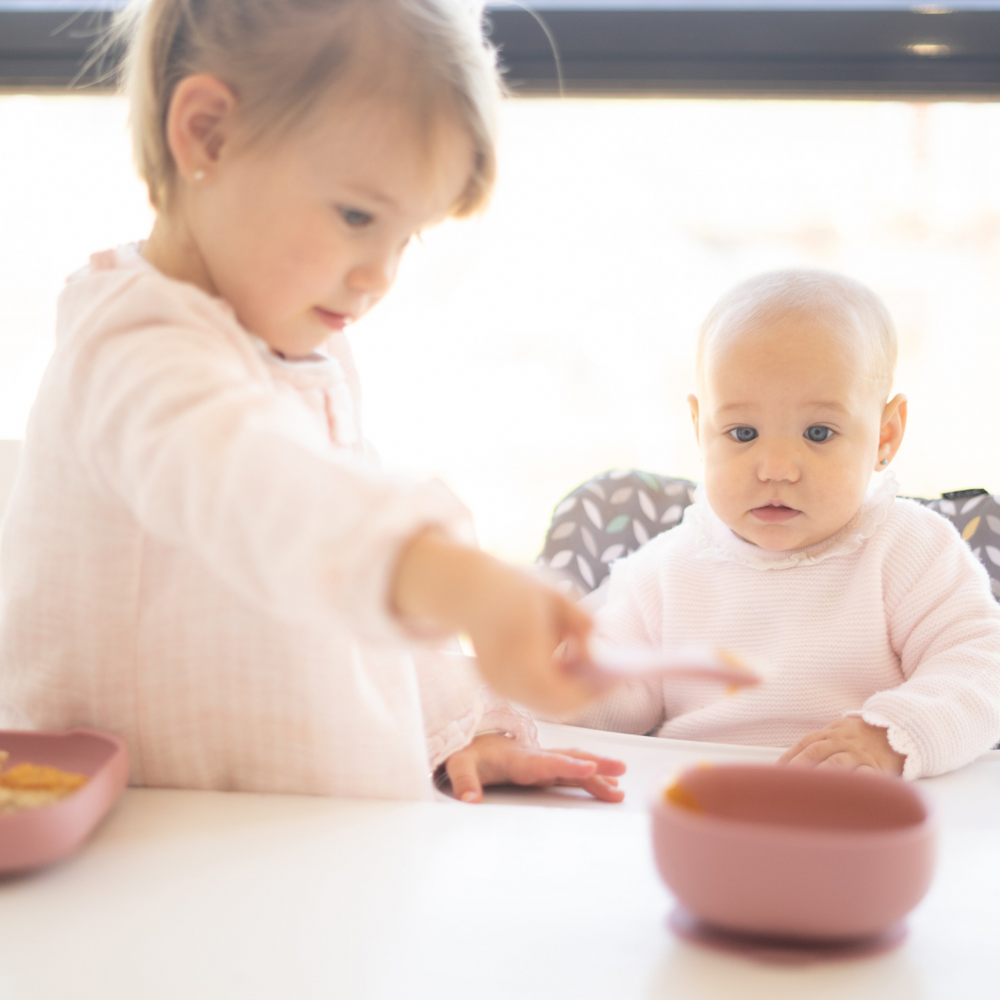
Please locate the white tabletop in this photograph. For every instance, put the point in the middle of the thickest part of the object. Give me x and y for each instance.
(190, 895)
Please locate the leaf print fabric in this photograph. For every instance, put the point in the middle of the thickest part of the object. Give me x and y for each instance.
(608, 517)
(616, 512)
(976, 515)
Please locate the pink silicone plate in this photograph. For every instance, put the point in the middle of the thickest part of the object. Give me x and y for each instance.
(36, 837)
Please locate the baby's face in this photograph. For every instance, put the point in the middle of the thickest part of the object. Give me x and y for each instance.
(305, 236)
(789, 429)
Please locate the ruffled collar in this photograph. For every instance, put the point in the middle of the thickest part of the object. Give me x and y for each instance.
(319, 380)
(715, 541)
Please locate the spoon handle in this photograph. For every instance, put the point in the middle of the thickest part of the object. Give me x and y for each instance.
(690, 661)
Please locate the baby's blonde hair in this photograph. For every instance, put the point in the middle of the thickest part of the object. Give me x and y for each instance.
(840, 303)
(281, 57)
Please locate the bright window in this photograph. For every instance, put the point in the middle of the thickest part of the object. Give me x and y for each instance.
(523, 352)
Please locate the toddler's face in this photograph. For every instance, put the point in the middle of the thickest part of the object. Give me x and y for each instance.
(305, 237)
(789, 428)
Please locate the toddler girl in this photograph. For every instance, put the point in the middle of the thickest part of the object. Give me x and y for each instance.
(199, 553)
(871, 621)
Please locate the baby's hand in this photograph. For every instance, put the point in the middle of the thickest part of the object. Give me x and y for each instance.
(851, 744)
(494, 759)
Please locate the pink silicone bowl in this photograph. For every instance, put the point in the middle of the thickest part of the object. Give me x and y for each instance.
(795, 853)
(37, 837)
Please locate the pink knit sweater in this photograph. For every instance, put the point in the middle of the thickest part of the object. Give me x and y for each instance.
(197, 552)
(891, 619)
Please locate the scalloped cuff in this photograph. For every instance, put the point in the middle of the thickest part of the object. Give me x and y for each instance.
(486, 715)
(899, 740)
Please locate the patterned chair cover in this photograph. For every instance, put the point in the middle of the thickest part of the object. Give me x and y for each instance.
(614, 513)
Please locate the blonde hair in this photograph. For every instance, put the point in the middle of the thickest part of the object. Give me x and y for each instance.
(841, 304)
(281, 57)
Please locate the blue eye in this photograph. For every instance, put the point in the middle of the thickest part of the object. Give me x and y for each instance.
(817, 434)
(354, 217)
(743, 434)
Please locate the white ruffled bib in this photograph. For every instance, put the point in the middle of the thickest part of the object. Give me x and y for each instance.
(716, 541)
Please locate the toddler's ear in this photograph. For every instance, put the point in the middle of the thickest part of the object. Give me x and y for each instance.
(693, 404)
(199, 119)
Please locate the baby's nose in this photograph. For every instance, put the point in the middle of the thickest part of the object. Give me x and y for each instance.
(777, 463)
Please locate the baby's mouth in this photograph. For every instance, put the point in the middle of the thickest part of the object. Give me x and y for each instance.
(774, 513)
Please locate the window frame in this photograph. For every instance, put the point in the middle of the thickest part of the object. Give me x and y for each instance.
(752, 48)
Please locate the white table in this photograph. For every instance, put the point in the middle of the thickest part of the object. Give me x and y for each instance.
(190, 895)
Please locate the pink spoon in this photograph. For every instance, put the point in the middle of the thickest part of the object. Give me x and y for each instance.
(607, 664)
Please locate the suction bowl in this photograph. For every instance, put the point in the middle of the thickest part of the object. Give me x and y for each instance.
(794, 853)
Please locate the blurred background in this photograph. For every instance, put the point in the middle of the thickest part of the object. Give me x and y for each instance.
(529, 349)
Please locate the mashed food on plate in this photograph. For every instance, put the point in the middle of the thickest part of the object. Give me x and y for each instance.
(29, 786)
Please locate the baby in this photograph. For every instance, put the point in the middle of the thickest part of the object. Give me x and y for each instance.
(873, 623)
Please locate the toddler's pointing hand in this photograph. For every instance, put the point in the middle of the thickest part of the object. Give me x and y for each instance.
(515, 621)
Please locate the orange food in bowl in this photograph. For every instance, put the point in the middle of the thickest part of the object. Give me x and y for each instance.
(38, 777)
(678, 795)
(30, 786)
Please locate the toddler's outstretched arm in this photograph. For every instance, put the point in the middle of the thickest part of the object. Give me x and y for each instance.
(514, 620)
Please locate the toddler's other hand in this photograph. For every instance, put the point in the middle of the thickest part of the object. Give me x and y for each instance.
(494, 759)
(849, 743)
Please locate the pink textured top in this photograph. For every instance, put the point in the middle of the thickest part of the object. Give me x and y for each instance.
(197, 553)
(891, 619)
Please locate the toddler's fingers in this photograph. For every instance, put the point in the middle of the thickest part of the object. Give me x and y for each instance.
(540, 767)
(605, 765)
(599, 786)
(576, 621)
(603, 788)
(539, 682)
(578, 783)
(463, 773)
(567, 693)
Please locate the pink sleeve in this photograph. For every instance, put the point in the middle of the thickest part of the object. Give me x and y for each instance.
(946, 631)
(172, 422)
(458, 706)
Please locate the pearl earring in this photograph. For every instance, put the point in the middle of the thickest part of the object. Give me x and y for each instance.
(198, 175)
(885, 461)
